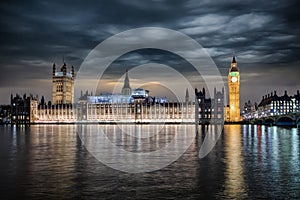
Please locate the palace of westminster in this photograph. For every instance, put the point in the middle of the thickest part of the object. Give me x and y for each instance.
(132, 106)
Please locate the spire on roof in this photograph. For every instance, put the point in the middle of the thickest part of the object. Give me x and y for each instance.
(126, 88)
(73, 71)
(187, 96)
(54, 69)
(126, 80)
(64, 67)
(233, 58)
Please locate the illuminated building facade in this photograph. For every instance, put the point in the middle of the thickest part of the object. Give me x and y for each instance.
(273, 105)
(5, 113)
(218, 111)
(204, 109)
(234, 93)
(23, 109)
(63, 85)
(297, 102)
(136, 107)
(54, 113)
(249, 110)
(209, 111)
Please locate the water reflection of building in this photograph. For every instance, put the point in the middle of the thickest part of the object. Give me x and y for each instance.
(154, 145)
(234, 174)
(57, 159)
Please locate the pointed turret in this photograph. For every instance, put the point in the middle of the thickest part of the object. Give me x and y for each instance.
(187, 96)
(126, 80)
(54, 69)
(73, 72)
(43, 101)
(233, 66)
(233, 59)
(64, 69)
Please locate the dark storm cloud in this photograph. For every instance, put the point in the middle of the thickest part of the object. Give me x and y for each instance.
(37, 33)
(253, 32)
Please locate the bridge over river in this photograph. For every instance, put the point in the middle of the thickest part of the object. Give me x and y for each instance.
(292, 119)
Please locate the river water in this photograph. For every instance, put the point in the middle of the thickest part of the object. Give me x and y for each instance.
(52, 162)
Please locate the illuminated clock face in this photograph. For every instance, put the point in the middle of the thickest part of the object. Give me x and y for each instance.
(234, 79)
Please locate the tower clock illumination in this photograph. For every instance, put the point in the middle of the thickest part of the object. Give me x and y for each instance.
(234, 92)
(234, 79)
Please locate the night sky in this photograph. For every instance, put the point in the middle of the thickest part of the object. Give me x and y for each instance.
(265, 36)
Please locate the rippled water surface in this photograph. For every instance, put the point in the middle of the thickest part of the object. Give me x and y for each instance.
(51, 162)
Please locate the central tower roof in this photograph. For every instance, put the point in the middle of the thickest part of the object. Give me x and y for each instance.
(126, 90)
(233, 66)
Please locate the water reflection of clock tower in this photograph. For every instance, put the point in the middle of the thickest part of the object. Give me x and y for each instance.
(234, 92)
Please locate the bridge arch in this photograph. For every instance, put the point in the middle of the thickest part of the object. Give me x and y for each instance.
(298, 121)
(285, 121)
(259, 121)
(269, 121)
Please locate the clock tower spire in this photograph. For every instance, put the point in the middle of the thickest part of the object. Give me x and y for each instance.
(234, 92)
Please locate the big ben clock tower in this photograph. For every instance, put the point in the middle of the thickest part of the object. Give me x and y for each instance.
(234, 92)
